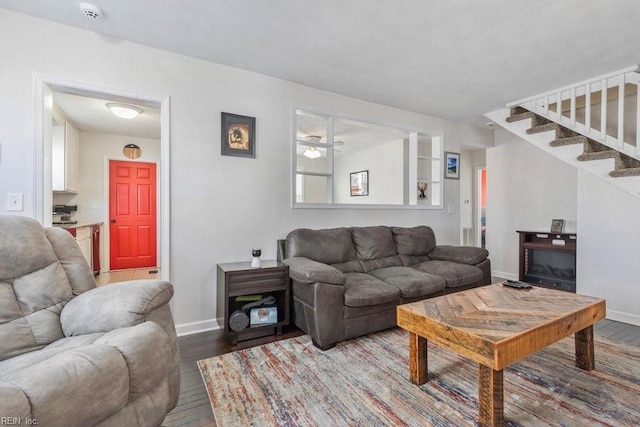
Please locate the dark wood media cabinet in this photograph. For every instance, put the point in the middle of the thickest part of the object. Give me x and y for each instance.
(239, 279)
(548, 259)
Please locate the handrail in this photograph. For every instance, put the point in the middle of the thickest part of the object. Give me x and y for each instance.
(632, 69)
(539, 104)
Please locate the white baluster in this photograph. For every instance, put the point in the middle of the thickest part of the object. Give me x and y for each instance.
(572, 111)
(546, 105)
(637, 119)
(621, 111)
(587, 107)
(559, 106)
(603, 110)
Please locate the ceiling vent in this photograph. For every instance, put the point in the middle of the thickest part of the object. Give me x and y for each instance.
(91, 11)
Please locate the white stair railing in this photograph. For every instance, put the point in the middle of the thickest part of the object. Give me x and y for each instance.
(602, 90)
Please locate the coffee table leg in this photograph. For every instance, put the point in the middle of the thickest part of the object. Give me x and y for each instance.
(417, 359)
(490, 397)
(585, 353)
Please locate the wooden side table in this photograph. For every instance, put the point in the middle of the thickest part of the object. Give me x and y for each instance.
(238, 279)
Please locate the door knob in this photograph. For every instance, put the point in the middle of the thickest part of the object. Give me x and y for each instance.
(113, 221)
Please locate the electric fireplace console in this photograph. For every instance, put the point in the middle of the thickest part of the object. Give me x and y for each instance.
(548, 259)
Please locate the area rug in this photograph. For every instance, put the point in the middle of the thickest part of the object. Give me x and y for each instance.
(364, 382)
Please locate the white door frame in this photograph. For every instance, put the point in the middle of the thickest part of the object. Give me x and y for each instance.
(478, 197)
(43, 85)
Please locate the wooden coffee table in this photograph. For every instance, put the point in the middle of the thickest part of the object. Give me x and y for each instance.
(496, 325)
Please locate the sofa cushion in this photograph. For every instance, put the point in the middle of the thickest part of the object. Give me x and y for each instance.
(416, 241)
(463, 254)
(363, 290)
(411, 282)
(144, 349)
(408, 260)
(327, 246)
(454, 274)
(29, 315)
(79, 387)
(353, 266)
(374, 264)
(373, 242)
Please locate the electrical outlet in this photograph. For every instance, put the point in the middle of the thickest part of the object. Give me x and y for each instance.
(14, 202)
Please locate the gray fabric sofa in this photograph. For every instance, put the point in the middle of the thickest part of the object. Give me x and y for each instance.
(72, 354)
(347, 282)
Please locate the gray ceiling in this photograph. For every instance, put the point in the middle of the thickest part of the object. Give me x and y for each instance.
(451, 59)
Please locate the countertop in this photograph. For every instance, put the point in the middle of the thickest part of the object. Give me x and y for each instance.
(80, 224)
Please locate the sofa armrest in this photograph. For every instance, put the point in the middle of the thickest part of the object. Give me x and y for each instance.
(114, 306)
(305, 270)
(462, 254)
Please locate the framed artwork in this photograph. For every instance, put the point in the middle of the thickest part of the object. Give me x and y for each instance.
(238, 135)
(360, 183)
(422, 190)
(452, 165)
(557, 225)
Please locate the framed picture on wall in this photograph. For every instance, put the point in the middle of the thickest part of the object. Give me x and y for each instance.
(360, 183)
(452, 165)
(238, 135)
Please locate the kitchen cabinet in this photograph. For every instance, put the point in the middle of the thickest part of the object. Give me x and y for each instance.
(84, 239)
(65, 149)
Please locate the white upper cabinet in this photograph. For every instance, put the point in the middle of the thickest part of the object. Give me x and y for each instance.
(65, 155)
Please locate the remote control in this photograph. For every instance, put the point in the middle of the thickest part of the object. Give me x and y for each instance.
(515, 284)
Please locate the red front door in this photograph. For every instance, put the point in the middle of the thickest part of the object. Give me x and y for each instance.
(132, 214)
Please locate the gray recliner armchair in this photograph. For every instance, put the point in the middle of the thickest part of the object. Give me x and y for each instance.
(72, 354)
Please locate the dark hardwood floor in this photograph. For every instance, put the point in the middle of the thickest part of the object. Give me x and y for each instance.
(194, 408)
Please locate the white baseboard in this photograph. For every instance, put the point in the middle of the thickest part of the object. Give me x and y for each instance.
(619, 316)
(504, 275)
(197, 327)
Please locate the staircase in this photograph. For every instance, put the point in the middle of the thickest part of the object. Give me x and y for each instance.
(561, 121)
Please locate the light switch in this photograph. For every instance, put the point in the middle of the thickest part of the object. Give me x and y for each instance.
(451, 208)
(95, 205)
(14, 202)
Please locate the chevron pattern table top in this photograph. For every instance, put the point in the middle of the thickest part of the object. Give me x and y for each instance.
(497, 325)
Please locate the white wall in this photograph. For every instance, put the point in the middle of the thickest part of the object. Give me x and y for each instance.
(526, 189)
(221, 206)
(607, 255)
(386, 174)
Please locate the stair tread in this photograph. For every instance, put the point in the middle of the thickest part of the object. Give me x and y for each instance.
(598, 155)
(520, 116)
(577, 139)
(619, 173)
(547, 127)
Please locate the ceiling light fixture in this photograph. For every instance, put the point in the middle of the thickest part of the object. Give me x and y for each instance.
(312, 153)
(91, 11)
(124, 111)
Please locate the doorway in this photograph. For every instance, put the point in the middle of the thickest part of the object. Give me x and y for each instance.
(132, 214)
(481, 198)
(46, 86)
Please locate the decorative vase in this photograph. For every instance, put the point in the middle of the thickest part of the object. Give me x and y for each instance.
(255, 262)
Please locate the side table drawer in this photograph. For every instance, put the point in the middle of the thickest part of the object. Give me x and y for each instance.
(242, 283)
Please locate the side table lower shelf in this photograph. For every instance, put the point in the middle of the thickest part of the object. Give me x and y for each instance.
(241, 280)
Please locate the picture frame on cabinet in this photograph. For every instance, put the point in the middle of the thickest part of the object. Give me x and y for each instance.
(238, 137)
(557, 225)
(452, 165)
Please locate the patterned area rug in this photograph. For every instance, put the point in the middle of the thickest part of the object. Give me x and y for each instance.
(365, 382)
